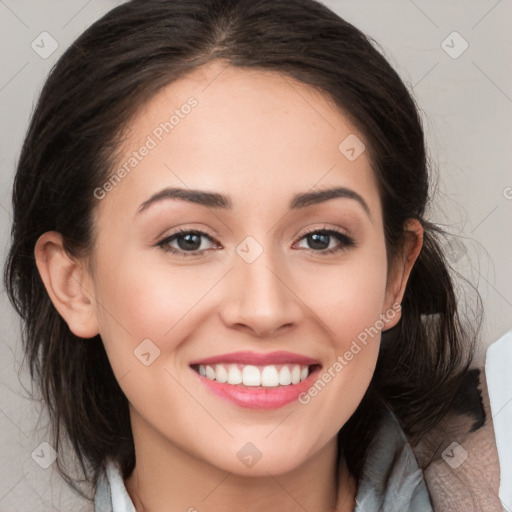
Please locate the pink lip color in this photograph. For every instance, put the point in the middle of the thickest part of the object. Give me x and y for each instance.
(256, 359)
(253, 397)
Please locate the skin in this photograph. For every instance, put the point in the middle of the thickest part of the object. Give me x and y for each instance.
(259, 138)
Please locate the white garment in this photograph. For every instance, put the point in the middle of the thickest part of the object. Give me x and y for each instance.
(111, 494)
(498, 373)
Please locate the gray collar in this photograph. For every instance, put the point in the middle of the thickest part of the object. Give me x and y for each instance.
(391, 480)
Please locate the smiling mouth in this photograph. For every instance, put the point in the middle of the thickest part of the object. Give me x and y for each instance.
(248, 375)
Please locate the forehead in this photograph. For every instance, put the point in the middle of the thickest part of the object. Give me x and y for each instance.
(254, 133)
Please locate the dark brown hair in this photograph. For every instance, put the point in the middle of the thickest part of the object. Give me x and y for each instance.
(93, 91)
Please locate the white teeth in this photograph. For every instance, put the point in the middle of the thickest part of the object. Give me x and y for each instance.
(210, 373)
(250, 375)
(296, 374)
(234, 374)
(221, 374)
(285, 377)
(269, 377)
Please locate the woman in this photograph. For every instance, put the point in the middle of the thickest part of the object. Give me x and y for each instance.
(231, 295)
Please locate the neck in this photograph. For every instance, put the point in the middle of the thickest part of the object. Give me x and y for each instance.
(166, 478)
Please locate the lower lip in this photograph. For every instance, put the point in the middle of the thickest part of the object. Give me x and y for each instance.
(253, 397)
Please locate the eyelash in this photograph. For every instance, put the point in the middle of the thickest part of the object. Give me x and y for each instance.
(345, 241)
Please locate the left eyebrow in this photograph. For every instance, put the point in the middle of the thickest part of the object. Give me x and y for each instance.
(309, 198)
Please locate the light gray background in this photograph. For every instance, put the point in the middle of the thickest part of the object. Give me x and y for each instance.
(466, 104)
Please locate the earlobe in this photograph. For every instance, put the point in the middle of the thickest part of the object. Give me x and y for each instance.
(65, 280)
(413, 242)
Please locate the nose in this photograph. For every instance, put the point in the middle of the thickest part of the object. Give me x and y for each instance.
(259, 298)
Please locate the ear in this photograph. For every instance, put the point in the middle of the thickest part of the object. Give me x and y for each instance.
(400, 271)
(68, 284)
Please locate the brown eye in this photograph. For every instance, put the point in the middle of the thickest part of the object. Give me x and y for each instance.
(183, 242)
(327, 241)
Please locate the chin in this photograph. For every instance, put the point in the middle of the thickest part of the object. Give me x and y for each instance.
(259, 457)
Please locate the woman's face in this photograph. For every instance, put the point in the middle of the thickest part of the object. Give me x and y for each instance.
(252, 296)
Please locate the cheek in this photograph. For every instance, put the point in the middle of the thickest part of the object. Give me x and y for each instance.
(133, 306)
(144, 315)
(348, 297)
(145, 299)
(139, 300)
(349, 301)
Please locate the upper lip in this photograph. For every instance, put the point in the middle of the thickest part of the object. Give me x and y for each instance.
(254, 358)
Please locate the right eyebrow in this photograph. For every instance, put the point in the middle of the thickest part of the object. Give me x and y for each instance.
(209, 199)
